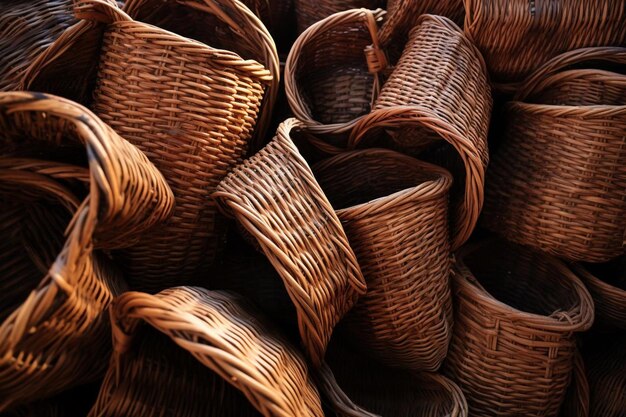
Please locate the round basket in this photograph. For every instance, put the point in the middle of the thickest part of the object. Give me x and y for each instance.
(308, 12)
(436, 104)
(54, 217)
(191, 108)
(557, 182)
(516, 37)
(516, 314)
(330, 84)
(607, 285)
(197, 352)
(394, 210)
(275, 197)
(606, 371)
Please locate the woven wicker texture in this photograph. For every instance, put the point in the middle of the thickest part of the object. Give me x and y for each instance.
(309, 12)
(379, 390)
(518, 36)
(394, 210)
(215, 355)
(516, 314)
(278, 201)
(576, 402)
(607, 285)
(557, 183)
(328, 83)
(438, 90)
(191, 108)
(606, 371)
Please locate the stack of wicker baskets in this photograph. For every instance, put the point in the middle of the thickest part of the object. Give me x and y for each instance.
(433, 224)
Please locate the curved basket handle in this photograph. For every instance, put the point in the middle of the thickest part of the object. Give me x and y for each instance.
(532, 84)
(100, 11)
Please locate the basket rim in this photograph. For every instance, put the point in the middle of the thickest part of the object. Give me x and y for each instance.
(559, 110)
(617, 294)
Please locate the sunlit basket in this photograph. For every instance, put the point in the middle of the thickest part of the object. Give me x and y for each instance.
(55, 216)
(516, 315)
(394, 210)
(196, 352)
(276, 199)
(436, 104)
(557, 182)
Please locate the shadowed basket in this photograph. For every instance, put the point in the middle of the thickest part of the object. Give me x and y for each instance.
(517, 36)
(276, 199)
(213, 354)
(436, 104)
(576, 403)
(557, 182)
(191, 108)
(606, 371)
(607, 285)
(54, 217)
(394, 210)
(309, 12)
(329, 84)
(516, 315)
(72, 403)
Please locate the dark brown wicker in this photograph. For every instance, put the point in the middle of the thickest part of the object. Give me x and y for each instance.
(576, 403)
(607, 285)
(275, 197)
(191, 352)
(557, 182)
(518, 36)
(516, 314)
(309, 12)
(606, 371)
(53, 217)
(436, 104)
(394, 210)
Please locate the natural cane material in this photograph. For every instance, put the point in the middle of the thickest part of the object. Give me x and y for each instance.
(606, 371)
(275, 197)
(576, 403)
(516, 315)
(394, 210)
(309, 12)
(195, 352)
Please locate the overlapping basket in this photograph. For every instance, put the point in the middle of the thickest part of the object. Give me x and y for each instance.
(93, 191)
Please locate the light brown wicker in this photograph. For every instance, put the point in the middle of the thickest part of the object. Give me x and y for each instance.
(607, 285)
(309, 12)
(329, 84)
(606, 371)
(436, 104)
(557, 182)
(518, 36)
(394, 210)
(190, 107)
(383, 391)
(516, 315)
(55, 283)
(195, 352)
(275, 197)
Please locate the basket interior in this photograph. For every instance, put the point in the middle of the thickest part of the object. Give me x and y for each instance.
(612, 272)
(521, 278)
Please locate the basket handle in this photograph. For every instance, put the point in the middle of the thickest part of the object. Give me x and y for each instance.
(100, 11)
(533, 83)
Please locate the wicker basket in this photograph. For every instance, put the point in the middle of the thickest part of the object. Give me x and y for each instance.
(606, 371)
(607, 285)
(576, 403)
(329, 84)
(191, 108)
(518, 36)
(516, 314)
(382, 391)
(195, 352)
(394, 210)
(54, 215)
(277, 200)
(309, 12)
(557, 182)
(438, 90)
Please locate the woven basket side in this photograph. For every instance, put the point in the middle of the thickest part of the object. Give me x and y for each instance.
(308, 13)
(576, 403)
(606, 373)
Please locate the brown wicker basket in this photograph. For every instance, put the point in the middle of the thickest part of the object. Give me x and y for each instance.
(329, 84)
(309, 12)
(606, 371)
(195, 352)
(394, 210)
(436, 104)
(54, 216)
(557, 182)
(275, 197)
(516, 314)
(607, 285)
(576, 403)
(518, 36)
(190, 107)
(383, 391)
